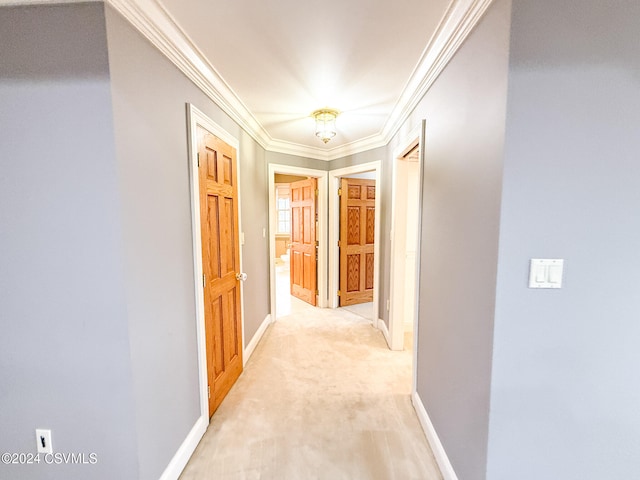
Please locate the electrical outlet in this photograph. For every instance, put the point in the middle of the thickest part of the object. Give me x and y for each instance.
(43, 439)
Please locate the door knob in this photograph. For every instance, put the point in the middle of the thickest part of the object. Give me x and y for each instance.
(241, 276)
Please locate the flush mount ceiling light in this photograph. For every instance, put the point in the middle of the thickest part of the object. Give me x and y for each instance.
(325, 123)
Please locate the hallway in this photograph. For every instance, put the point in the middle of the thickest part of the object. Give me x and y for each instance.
(322, 397)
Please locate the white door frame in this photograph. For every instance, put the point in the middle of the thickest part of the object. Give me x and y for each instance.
(334, 232)
(399, 221)
(196, 117)
(416, 308)
(321, 230)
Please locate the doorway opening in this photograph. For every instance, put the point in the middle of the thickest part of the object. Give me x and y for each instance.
(219, 294)
(296, 259)
(405, 221)
(354, 252)
(357, 194)
(298, 239)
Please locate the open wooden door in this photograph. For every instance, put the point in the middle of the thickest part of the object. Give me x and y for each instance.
(303, 257)
(357, 236)
(221, 263)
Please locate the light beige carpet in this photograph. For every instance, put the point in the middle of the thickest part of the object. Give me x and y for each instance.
(321, 398)
(363, 309)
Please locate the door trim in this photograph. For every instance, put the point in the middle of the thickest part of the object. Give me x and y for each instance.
(334, 233)
(195, 118)
(303, 197)
(321, 233)
(416, 136)
(397, 270)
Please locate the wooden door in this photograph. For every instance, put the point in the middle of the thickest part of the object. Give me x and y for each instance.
(357, 234)
(217, 172)
(303, 257)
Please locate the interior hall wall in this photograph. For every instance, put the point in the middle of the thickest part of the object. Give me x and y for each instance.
(566, 383)
(65, 360)
(465, 111)
(150, 96)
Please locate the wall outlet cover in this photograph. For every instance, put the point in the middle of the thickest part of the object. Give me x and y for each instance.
(43, 440)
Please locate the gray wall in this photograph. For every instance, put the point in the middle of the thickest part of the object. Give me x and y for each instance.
(149, 97)
(566, 382)
(465, 113)
(255, 223)
(151, 145)
(64, 349)
(95, 213)
(295, 161)
(373, 155)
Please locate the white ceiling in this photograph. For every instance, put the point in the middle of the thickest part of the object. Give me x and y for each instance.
(287, 58)
(269, 64)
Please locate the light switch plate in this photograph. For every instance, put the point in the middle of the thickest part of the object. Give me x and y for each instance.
(546, 273)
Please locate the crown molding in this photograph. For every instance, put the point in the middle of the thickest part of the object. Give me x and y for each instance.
(357, 146)
(352, 148)
(156, 24)
(290, 148)
(454, 28)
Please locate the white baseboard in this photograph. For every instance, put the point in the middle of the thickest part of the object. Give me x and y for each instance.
(446, 469)
(248, 351)
(182, 456)
(385, 331)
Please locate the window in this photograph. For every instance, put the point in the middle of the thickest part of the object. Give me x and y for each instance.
(283, 208)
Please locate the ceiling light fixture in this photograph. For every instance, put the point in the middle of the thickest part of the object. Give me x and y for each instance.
(325, 123)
